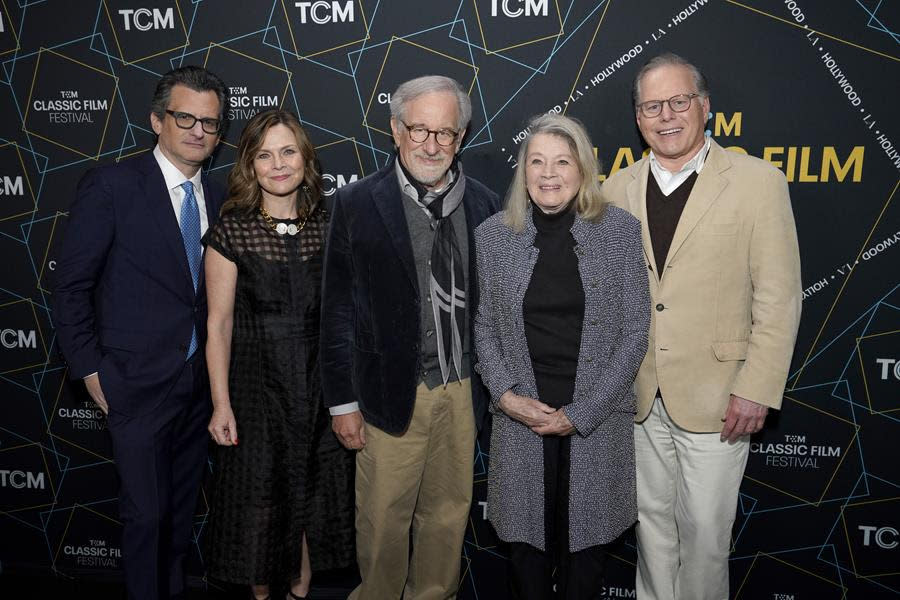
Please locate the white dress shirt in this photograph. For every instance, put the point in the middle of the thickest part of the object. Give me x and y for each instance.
(174, 178)
(669, 181)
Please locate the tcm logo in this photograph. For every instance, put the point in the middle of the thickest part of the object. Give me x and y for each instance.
(22, 479)
(145, 19)
(517, 8)
(11, 186)
(322, 12)
(11, 338)
(330, 183)
(885, 537)
(886, 369)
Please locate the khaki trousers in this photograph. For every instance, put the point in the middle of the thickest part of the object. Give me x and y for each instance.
(421, 479)
(687, 489)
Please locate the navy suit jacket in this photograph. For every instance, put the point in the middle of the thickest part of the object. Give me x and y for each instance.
(124, 302)
(370, 300)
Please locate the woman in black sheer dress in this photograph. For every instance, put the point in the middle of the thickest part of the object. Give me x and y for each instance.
(281, 502)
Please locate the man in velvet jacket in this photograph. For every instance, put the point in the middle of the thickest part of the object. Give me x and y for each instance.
(398, 295)
(129, 308)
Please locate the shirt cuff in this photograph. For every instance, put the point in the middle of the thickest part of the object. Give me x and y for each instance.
(91, 375)
(343, 409)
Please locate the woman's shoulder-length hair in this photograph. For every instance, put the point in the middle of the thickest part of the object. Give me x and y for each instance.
(589, 204)
(244, 195)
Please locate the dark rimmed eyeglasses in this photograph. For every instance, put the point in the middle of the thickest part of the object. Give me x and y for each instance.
(679, 103)
(187, 121)
(419, 133)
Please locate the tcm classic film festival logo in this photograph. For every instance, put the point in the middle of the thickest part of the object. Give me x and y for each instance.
(70, 103)
(802, 456)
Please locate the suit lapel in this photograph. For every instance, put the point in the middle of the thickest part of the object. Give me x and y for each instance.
(388, 200)
(637, 205)
(159, 204)
(706, 191)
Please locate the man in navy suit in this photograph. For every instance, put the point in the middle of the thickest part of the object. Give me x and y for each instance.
(130, 315)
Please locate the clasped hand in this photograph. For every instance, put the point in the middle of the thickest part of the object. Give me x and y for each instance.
(541, 418)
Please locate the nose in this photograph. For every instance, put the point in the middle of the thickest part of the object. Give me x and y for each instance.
(430, 144)
(197, 130)
(277, 161)
(667, 113)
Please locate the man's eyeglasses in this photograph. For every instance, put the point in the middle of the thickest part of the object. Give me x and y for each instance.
(418, 134)
(187, 121)
(679, 103)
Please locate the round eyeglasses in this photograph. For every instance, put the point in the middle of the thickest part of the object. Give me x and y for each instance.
(419, 134)
(679, 103)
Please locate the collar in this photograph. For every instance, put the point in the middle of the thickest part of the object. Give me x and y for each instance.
(173, 177)
(694, 164)
(415, 190)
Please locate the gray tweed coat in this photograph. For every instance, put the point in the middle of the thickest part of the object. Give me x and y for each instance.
(613, 343)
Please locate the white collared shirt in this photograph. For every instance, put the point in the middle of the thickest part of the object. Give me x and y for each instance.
(410, 190)
(669, 181)
(174, 178)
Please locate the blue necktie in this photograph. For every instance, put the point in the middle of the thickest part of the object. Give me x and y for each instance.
(190, 231)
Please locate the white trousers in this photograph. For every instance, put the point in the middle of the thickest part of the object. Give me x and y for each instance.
(687, 488)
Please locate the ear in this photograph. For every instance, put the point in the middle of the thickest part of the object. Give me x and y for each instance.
(396, 131)
(459, 139)
(156, 123)
(705, 105)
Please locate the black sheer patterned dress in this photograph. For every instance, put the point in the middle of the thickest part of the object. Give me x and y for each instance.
(288, 475)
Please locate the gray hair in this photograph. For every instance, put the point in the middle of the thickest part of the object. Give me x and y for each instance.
(589, 204)
(410, 90)
(193, 77)
(669, 59)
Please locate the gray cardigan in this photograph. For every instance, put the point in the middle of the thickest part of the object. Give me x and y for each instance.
(613, 344)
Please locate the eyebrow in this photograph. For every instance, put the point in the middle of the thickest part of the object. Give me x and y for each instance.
(568, 154)
(279, 148)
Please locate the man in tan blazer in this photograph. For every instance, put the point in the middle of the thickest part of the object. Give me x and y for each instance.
(724, 270)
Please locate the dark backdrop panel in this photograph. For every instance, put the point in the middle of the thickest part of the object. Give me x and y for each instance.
(809, 85)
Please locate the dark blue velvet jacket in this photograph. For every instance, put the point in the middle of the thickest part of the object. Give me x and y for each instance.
(370, 300)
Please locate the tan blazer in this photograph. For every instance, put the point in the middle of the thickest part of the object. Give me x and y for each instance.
(726, 305)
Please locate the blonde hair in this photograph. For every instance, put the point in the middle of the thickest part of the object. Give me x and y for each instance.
(588, 203)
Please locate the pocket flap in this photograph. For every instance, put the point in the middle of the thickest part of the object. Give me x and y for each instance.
(736, 350)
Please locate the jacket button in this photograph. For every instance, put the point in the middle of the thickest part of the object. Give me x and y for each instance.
(588, 359)
(181, 347)
(660, 307)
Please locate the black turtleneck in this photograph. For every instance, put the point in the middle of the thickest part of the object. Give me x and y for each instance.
(554, 307)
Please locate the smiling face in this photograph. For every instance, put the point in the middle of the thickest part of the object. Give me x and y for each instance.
(552, 176)
(278, 163)
(428, 161)
(187, 148)
(673, 136)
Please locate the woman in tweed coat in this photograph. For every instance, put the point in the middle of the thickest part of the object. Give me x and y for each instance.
(560, 332)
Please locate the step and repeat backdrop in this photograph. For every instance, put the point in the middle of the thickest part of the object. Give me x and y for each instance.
(810, 86)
